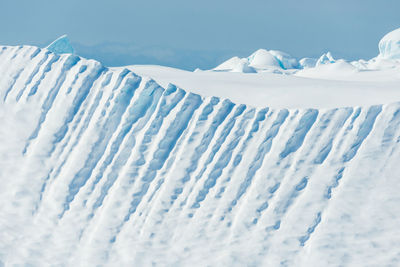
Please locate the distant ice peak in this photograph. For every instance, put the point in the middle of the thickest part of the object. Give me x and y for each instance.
(61, 45)
(326, 58)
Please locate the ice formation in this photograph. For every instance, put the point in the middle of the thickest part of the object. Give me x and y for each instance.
(326, 58)
(389, 46)
(61, 46)
(261, 60)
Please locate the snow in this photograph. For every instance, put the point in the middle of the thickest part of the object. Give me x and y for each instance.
(61, 45)
(107, 167)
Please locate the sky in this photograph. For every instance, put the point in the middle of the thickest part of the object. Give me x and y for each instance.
(190, 34)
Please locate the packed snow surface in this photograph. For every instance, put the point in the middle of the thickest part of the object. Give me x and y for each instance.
(326, 86)
(107, 167)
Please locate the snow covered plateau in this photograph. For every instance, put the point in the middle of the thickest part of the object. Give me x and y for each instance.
(262, 161)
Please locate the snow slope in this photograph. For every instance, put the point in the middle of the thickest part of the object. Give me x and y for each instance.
(326, 86)
(104, 167)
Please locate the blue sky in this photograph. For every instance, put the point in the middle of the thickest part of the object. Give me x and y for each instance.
(187, 34)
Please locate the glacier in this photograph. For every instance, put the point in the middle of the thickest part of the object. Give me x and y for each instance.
(107, 167)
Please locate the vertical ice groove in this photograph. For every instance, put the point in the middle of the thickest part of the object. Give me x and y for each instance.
(263, 149)
(165, 146)
(285, 204)
(337, 126)
(14, 80)
(303, 239)
(77, 102)
(139, 172)
(171, 97)
(224, 158)
(82, 92)
(175, 168)
(335, 184)
(208, 183)
(33, 74)
(142, 106)
(199, 150)
(297, 139)
(122, 100)
(82, 69)
(46, 69)
(261, 116)
(185, 143)
(169, 100)
(202, 150)
(183, 163)
(363, 132)
(87, 120)
(120, 79)
(48, 102)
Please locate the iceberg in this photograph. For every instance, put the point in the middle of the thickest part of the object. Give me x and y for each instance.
(109, 167)
(389, 46)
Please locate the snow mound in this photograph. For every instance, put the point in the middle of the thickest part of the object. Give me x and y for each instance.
(331, 71)
(260, 61)
(62, 45)
(236, 64)
(307, 62)
(285, 60)
(389, 46)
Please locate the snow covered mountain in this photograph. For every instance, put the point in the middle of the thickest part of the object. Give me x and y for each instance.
(106, 167)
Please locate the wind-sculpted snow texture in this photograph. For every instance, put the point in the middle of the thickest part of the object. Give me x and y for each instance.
(102, 167)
